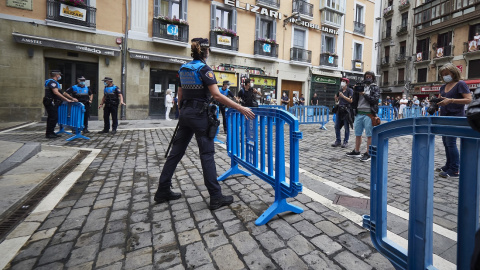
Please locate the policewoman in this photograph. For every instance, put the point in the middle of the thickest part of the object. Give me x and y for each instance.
(226, 92)
(81, 92)
(112, 97)
(197, 84)
(52, 99)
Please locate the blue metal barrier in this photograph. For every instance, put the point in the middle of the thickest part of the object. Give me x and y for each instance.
(386, 113)
(218, 128)
(311, 115)
(251, 145)
(71, 114)
(281, 107)
(414, 111)
(420, 226)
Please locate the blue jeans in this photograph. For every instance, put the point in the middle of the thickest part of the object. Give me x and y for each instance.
(339, 122)
(451, 151)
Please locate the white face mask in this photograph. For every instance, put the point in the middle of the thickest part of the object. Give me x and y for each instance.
(343, 84)
(251, 84)
(447, 78)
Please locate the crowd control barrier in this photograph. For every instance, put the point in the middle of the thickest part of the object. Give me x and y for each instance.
(281, 107)
(311, 115)
(420, 226)
(415, 111)
(253, 146)
(386, 113)
(71, 115)
(218, 128)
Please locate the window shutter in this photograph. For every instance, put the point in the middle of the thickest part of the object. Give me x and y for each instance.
(184, 10)
(234, 20)
(213, 10)
(323, 43)
(156, 8)
(257, 26)
(274, 30)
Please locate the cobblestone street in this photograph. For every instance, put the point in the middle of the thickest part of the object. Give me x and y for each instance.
(109, 220)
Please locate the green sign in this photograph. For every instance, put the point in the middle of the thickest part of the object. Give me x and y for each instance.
(319, 79)
(23, 4)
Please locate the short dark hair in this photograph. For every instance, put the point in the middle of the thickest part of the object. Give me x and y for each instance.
(372, 74)
(247, 81)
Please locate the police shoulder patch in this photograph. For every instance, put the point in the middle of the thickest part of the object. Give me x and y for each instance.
(210, 75)
(53, 84)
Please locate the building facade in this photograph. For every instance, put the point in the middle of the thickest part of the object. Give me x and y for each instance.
(294, 47)
(445, 32)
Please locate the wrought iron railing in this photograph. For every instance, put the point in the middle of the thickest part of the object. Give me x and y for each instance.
(385, 61)
(218, 40)
(399, 58)
(357, 65)
(163, 29)
(425, 56)
(301, 55)
(265, 49)
(327, 59)
(359, 28)
(54, 13)
(302, 7)
(447, 51)
(402, 29)
(269, 3)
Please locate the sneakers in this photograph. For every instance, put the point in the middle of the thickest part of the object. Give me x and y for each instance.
(216, 203)
(85, 131)
(365, 157)
(168, 195)
(354, 154)
(114, 132)
(441, 169)
(51, 136)
(102, 131)
(345, 144)
(335, 144)
(449, 175)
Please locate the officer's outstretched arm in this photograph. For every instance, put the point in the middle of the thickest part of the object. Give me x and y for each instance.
(69, 97)
(121, 99)
(62, 97)
(213, 88)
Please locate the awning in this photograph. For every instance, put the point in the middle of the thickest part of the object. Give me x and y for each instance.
(66, 44)
(158, 57)
(472, 85)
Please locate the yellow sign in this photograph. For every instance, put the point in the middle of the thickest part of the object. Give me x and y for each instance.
(223, 76)
(224, 40)
(23, 4)
(73, 12)
(264, 81)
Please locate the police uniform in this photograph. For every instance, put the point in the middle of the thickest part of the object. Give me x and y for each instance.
(51, 103)
(112, 101)
(82, 93)
(195, 77)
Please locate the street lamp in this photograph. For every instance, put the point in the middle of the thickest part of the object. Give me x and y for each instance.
(295, 16)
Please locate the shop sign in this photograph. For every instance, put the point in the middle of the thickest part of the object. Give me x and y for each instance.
(358, 65)
(224, 76)
(267, 48)
(155, 57)
(433, 88)
(318, 79)
(460, 68)
(71, 12)
(22, 4)
(224, 40)
(65, 44)
(172, 29)
(310, 25)
(354, 78)
(262, 81)
(329, 30)
(255, 9)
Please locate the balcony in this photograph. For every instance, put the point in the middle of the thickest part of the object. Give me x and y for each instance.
(56, 11)
(388, 12)
(404, 5)
(223, 42)
(170, 32)
(402, 82)
(422, 56)
(357, 65)
(262, 48)
(402, 29)
(338, 9)
(441, 52)
(271, 4)
(471, 48)
(387, 35)
(300, 55)
(385, 61)
(400, 58)
(359, 28)
(304, 9)
(326, 59)
(384, 84)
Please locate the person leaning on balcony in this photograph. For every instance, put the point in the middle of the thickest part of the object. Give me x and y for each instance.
(455, 94)
(197, 84)
(477, 40)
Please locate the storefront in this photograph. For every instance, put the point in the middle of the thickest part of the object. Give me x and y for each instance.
(325, 88)
(265, 85)
(229, 76)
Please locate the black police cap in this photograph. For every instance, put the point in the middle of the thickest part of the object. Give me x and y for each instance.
(81, 78)
(203, 42)
(107, 79)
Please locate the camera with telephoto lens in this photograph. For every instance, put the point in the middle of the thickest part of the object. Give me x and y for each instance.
(433, 107)
(360, 87)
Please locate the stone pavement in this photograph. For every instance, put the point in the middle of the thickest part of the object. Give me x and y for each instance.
(108, 220)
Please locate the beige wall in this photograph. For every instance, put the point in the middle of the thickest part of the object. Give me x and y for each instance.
(39, 11)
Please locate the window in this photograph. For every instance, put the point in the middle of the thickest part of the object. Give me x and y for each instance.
(474, 29)
(331, 17)
(265, 29)
(385, 78)
(403, 48)
(357, 51)
(390, 3)
(171, 8)
(404, 19)
(328, 43)
(387, 54)
(335, 4)
(388, 30)
(445, 41)
(401, 75)
(422, 75)
(223, 17)
(299, 38)
(422, 46)
(359, 14)
(474, 69)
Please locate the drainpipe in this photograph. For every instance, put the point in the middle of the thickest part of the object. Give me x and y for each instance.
(124, 63)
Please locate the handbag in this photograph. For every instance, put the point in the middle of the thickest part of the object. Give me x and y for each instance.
(375, 119)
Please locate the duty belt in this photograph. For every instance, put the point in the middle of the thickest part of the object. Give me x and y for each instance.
(193, 103)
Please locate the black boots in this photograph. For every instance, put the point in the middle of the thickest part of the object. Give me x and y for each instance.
(216, 203)
(167, 195)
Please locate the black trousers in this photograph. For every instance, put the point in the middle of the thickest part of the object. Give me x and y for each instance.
(52, 115)
(87, 114)
(107, 111)
(192, 123)
(222, 110)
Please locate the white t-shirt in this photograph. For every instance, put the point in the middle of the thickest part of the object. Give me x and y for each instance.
(477, 38)
(403, 104)
(168, 101)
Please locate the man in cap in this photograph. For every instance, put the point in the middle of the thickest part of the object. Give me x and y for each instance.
(81, 92)
(52, 99)
(112, 97)
(226, 92)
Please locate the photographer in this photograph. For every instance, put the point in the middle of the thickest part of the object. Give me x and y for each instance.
(454, 94)
(343, 114)
(365, 106)
(248, 94)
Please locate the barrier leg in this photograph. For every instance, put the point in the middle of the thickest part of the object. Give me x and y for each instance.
(78, 134)
(280, 205)
(62, 130)
(234, 169)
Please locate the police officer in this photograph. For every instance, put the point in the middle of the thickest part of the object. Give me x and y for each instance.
(226, 92)
(52, 99)
(112, 97)
(197, 83)
(81, 92)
